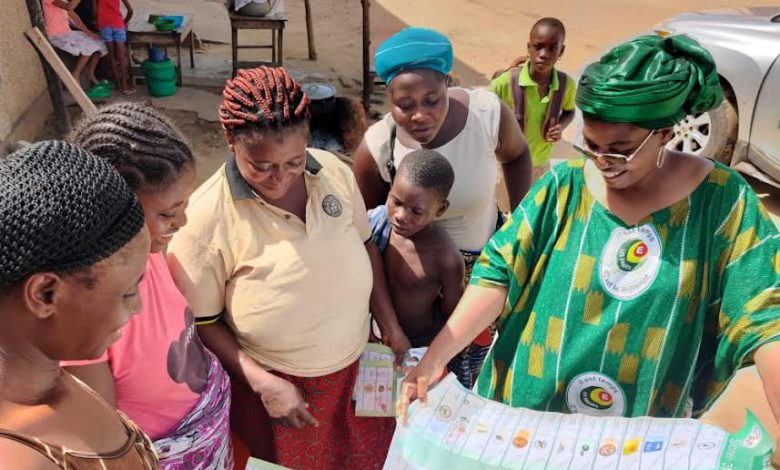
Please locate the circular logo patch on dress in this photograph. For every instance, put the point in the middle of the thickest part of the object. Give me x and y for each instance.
(595, 394)
(331, 205)
(630, 261)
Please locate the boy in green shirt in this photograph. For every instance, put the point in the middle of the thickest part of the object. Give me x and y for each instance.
(543, 113)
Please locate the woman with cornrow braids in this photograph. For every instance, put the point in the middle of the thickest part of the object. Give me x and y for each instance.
(159, 373)
(277, 264)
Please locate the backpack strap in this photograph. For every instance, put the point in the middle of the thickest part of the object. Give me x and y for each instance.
(518, 96)
(391, 160)
(554, 109)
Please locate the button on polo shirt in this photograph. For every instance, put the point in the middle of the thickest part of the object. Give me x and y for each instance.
(295, 294)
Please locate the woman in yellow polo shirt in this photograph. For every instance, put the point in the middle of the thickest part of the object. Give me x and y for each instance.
(276, 264)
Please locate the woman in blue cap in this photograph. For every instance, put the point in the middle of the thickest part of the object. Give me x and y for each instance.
(472, 129)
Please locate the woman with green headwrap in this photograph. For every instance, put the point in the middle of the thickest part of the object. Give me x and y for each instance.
(636, 280)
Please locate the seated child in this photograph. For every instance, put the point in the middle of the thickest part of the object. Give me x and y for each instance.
(545, 95)
(83, 44)
(425, 271)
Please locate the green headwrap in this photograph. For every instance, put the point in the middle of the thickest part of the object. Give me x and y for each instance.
(650, 81)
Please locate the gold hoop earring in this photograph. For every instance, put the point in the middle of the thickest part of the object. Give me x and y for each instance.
(659, 162)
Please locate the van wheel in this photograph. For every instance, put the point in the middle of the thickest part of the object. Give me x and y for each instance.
(711, 134)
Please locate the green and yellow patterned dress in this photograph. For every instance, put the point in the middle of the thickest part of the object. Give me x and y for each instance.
(609, 319)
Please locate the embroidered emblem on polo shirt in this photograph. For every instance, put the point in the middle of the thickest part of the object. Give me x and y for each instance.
(331, 206)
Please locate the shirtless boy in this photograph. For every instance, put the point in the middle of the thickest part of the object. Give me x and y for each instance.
(424, 268)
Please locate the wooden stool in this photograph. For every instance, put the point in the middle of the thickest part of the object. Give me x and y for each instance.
(274, 23)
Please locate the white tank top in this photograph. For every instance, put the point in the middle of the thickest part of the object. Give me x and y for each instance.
(471, 218)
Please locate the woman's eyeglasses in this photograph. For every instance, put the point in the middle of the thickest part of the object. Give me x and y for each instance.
(613, 158)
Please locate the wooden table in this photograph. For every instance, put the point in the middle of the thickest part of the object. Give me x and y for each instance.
(141, 32)
(274, 21)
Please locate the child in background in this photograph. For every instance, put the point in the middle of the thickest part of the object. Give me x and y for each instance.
(83, 44)
(544, 95)
(424, 268)
(113, 30)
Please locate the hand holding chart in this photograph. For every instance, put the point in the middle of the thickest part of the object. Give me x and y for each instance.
(378, 383)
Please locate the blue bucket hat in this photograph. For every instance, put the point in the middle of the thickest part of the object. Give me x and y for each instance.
(413, 48)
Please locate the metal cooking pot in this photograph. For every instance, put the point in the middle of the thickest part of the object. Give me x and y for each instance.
(255, 8)
(322, 96)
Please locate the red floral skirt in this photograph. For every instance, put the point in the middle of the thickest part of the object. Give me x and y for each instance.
(341, 442)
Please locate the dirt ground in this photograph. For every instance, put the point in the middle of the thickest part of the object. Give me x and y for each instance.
(486, 35)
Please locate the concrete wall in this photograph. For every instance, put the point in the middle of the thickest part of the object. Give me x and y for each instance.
(24, 100)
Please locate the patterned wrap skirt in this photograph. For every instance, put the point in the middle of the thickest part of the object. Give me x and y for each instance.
(342, 441)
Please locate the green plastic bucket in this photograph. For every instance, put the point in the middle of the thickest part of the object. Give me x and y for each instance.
(160, 77)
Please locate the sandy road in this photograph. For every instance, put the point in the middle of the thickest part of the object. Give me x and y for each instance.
(487, 34)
